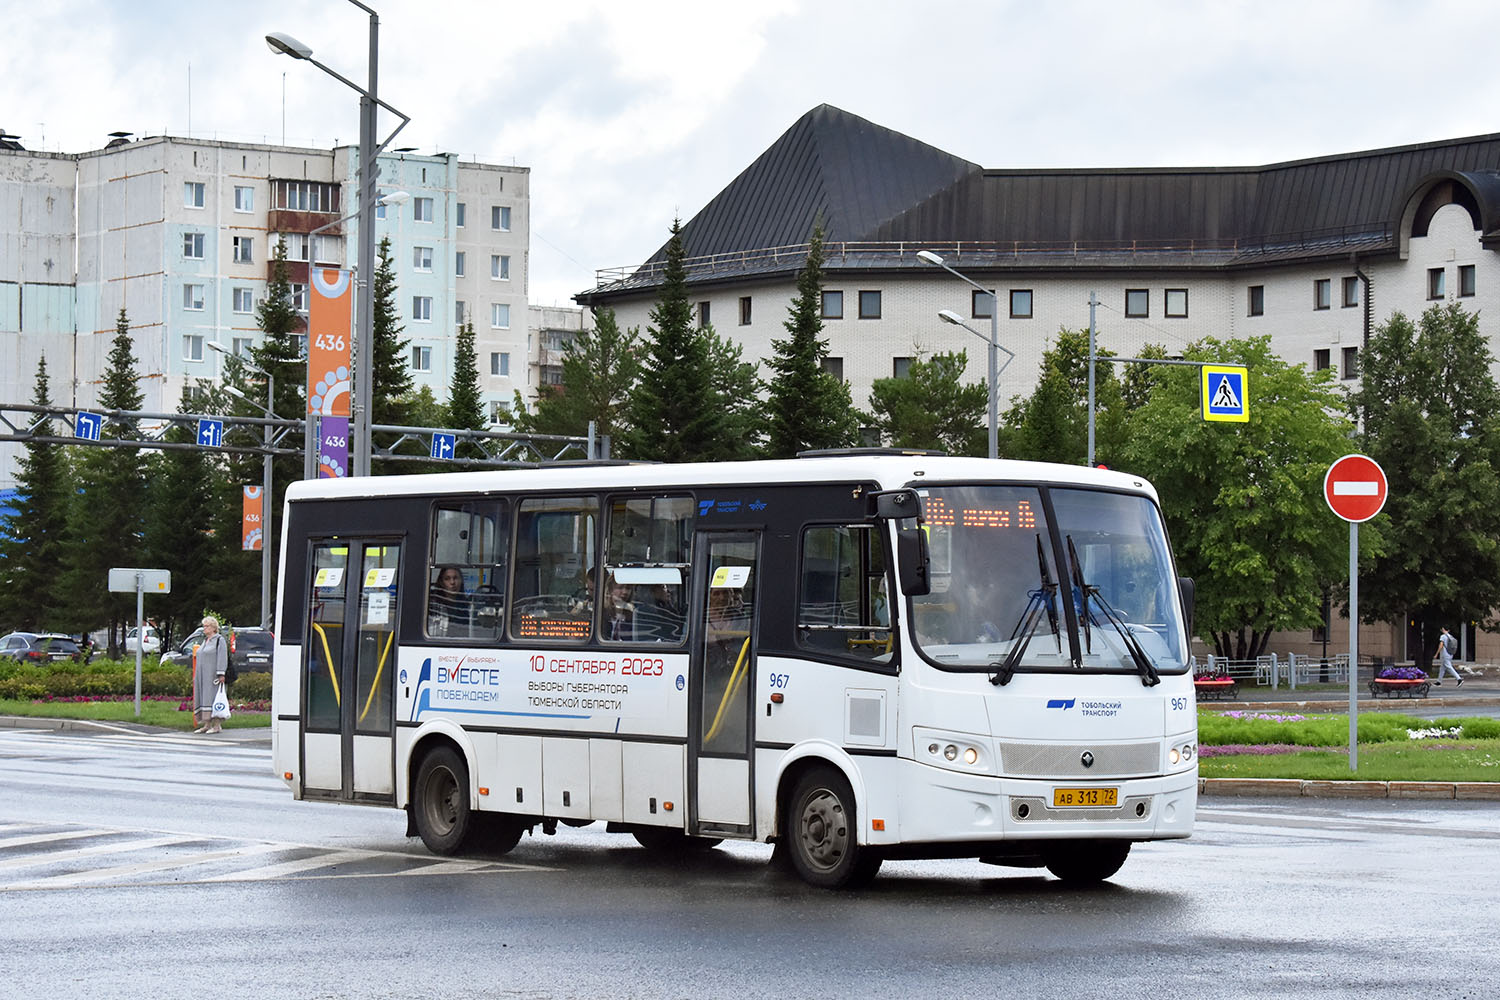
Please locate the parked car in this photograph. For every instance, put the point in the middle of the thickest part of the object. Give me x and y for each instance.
(39, 647)
(250, 649)
(152, 643)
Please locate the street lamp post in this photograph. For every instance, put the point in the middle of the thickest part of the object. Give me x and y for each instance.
(361, 362)
(266, 502)
(947, 314)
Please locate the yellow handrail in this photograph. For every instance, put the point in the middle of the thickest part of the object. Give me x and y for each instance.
(736, 678)
(328, 659)
(379, 669)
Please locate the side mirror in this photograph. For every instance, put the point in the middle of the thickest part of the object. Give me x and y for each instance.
(1189, 594)
(896, 505)
(912, 558)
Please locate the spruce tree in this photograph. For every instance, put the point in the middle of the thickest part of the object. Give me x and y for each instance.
(107, 515)
(391, 381)
(599, 367)
(808, 407)
(465, 404)
(31, 546)
(179, 525)
(675, 415)
(737, 388)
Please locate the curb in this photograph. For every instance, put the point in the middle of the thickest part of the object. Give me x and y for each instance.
(1488, 791)
(240, 737)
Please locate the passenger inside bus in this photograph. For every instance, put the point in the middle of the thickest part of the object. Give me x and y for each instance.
(448, 605)
(618, 621)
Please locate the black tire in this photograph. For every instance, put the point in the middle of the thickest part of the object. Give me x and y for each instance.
(822, 833)
(501, 833)
(1083, 862)
(440, 802)
(659, 838)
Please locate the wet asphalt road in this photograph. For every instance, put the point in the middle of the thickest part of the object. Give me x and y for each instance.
(159, 866)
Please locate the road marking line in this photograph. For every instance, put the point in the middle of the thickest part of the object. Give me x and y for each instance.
(47, 838)
(100, 876)
(266, 872)
(32, 860)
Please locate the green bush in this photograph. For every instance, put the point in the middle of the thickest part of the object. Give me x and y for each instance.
(252, 687)
(24, 681)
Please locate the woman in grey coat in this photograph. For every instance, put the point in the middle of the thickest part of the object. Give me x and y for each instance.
(213, 660)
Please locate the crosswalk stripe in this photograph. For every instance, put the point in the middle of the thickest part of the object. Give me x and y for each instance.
(101, 876)
(48, 838)
(297, 866)
(33, 860)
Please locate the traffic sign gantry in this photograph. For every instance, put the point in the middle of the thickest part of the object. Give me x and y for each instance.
(1355, 488)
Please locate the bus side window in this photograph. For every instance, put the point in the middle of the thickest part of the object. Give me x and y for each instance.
(467, 570)
(843, 604)
(648, 552)
(556, 580)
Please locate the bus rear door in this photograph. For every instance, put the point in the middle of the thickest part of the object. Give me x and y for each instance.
(348, 677)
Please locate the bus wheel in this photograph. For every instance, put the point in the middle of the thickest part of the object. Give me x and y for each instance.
(656, 838)
(1079, 862)
(441, 802)
(822, 833)
(502, 833)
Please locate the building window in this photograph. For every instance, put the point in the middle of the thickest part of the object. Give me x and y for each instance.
(1350, 287)
(500, 266)
(981, 304)
(301, 341)
(192, 246)
(1137, 302)
(244, 300)
(551, 375)
(305, 196)
(1351, 363)
(421, 308)
(869, 305)
(421, 359)
(834, 367)
(459, 211)
(744, 310)
(703, 314)
(421, 258)
(1257, 300)
(1176, 303)
(500, 363)
(833, 305)
(458, 264)
(500, 218)
(244, 249)
(1465, 280)
(901, 368)
(244, 199)
(242, 346)
(500, 316)
(299, 297)
(192, 297)
(1020, 303)
(1435, 276)
(499, 411)
(192, 194)
(1322, 293)
(422, 209)
(1321, 359)
(460, 312)
(192, 347)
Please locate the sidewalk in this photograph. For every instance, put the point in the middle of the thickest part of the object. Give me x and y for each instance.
(260, 736)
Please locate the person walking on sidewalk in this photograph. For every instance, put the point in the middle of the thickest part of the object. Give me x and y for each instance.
(1447, 646)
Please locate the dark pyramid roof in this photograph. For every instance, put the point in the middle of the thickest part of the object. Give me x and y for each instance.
(851, 173)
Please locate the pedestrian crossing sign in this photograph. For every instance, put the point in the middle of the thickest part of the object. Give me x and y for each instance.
(1224, 393)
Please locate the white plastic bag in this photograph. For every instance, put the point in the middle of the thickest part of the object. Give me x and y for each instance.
(221, 703)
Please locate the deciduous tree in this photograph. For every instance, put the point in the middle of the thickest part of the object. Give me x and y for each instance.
(931, 408)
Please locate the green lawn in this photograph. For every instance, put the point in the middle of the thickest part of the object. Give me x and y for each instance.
(153, 713)
(1414, 760)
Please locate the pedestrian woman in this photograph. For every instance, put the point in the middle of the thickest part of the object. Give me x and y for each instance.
(212, 660)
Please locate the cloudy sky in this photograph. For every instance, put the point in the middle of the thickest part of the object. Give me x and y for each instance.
(629, 113)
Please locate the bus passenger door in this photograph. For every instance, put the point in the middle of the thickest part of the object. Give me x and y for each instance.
(348, 704)
(721, 726)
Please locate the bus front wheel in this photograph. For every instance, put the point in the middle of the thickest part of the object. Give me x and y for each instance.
(1080, 862)
(822, 833)
(445, 821)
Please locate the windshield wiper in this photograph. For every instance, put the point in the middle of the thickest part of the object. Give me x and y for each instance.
(1043, 599)
(1143, 664)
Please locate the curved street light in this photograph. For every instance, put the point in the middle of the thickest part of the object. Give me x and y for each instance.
(949, 316)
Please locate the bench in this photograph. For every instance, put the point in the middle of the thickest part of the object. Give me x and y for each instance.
(1216, 688)
(1400, 687)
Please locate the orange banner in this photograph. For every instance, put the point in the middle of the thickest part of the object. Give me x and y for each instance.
(330, 320)
(251, 519)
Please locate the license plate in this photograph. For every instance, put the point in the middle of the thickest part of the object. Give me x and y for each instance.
(1072, 797)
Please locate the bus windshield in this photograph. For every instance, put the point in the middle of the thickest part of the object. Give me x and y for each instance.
(1002, 572)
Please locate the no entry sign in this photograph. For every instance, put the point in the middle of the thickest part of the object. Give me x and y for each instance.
(1355, 488)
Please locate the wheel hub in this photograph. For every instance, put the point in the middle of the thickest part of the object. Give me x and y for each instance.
(824, 832)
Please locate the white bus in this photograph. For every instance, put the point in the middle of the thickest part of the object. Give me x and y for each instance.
(856, 656)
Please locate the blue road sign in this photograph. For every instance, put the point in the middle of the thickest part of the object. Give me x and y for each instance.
(210, 432)
(1225, 393)
(87, 426)
(442, 444)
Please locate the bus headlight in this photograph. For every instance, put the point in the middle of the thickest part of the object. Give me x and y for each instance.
(953, 751)
(1181, 753)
